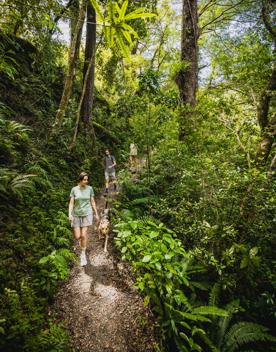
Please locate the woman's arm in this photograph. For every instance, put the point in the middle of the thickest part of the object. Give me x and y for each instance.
(70, 209)
(93, 203)
(114, 163)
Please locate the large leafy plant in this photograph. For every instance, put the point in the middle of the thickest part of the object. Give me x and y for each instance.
(164, 274)
(116, 29)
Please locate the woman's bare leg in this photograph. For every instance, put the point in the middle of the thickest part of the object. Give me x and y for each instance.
(83, 237)
(77, 232)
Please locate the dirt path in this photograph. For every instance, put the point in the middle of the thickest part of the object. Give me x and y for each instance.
(99, 306)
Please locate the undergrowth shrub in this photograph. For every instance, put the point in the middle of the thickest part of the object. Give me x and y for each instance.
(166, 275)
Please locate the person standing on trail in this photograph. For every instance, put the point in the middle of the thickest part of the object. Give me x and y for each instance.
(109, 170)
(133, 157)
(80, 212)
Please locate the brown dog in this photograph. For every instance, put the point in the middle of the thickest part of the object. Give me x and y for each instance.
(103, 228)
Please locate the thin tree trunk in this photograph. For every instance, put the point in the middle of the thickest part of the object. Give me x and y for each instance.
(90, 51)
(267, 123)
(71, 68)
(74, 140)
(187, 78)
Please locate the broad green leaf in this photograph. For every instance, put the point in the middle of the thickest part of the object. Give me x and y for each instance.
(130, 29)
(117, 8)
(146, 258)
(125, 51)
(123, 10)
(244, 262)
(127, 36)
(185, 325)
(184, 336)
(158, 266)
(134, 16)
(146, 300)
(190, 316)
(97, 9)
(253, 252)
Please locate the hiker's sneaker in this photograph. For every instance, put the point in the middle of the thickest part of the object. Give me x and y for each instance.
(106, 190)
(83, 260)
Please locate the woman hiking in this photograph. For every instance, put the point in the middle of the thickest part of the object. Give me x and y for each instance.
(80, 212)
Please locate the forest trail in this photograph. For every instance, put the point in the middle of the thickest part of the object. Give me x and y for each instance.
(100, 308)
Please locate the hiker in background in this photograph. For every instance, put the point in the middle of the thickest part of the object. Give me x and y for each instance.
(80, 212)
(109, 170)
(133, 157)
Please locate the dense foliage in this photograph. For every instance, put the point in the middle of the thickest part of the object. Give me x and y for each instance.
(198, 222)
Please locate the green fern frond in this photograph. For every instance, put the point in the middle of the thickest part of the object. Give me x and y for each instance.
(61, 241)
(179, 343)
(214, 295)
(243, 333)
(189, 316)
(12, 182)
(66, 253)
(21, 182)
(224, 322)
(210, 310)
(14, 126)
(140, 201)
(208, 342)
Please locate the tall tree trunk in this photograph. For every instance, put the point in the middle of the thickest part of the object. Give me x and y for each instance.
(90, 50)
(266, 122)
(73, 54)
(272, 169)
(76, 129)
(187, 78)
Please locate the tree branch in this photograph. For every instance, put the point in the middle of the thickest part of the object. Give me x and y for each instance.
(215, 20)
(206, 7)
(58, 17)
